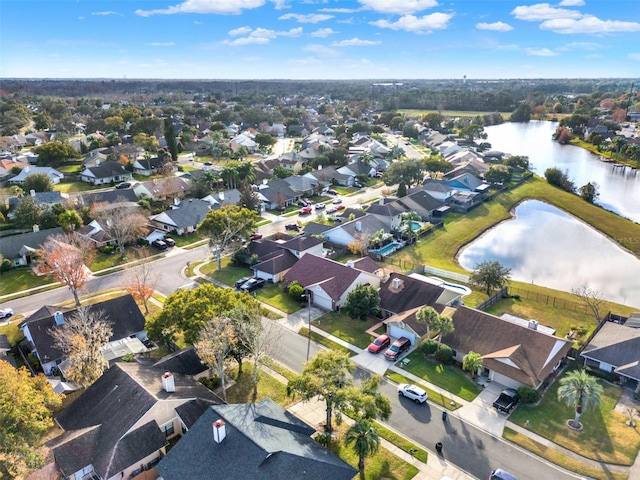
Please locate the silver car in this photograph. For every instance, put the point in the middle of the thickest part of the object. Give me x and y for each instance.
(412, 392)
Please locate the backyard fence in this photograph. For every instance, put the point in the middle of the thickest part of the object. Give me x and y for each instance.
(495, 298)
(549, 300)
(446, 274)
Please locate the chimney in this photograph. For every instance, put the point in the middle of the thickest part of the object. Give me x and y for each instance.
(319, 167)
(176, 201)
(358, 226)
(168, 384)
(533, 324)
(36, 228)
(32, 193)
(381, 201)
(219, 432)
(59, 318)
(98, 163)
(221, 196)
(395, 283)
(350, 263)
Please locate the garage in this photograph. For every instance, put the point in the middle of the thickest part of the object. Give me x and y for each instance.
(397, 331)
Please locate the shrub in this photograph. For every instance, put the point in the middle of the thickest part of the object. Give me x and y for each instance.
(444, 354)
(323, 439)
(296, 290)
(428, 346)
(5, 266)
(528, 394)
(211, 383)
(108, 249)
(142, 242)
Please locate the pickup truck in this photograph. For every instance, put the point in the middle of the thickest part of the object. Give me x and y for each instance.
(507, 400)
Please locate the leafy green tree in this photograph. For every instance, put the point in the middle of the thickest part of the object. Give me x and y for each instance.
(518, 161)
(490, 275)
(402, 190)
(435, 164)
(409, 172)
(362, 301)
(38, 182)
(410, 131)
(249, 200)
(52, 154)
(365, 440)
(265, 140)
(472, 362)
(43, 121)
(295, 290)
(444, 325)
(522, 113)
(148, 142)
(498, 174)
(114, 124)
(170, 138)
(227, 227)
(28, 213)
(581, 391)
(589, 192)
(433, 120)
(69, 220)
(558, 178)
(26, 414)
(473, 131)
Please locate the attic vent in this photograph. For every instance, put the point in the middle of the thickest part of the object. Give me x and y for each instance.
(59, 318)
(533, 324)
(350, 263)
(219, 431)
(395, 283)
(168, 383)
(358, 226)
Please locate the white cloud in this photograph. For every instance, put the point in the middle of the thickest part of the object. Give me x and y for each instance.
(634, 56)
(571, 3)
(400, 7)
(260, 36)
(579, 46)
(279, 4)
(495, 26)
(220, 7)
(160, 44)
(107, 13)
(240, 31)
(410, 23)
(543, 11)
(356, 42)
(323, 32)
(320, 50)
(540, 52)
(310, 18)
(339, 10)
(589, 25)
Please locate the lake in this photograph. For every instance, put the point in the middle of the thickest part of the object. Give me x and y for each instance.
(546, 246)
(619, 187)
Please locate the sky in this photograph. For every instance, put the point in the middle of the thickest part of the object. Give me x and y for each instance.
(319, 39)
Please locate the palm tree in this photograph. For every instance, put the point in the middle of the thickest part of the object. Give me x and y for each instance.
(472, 362)
(365, 440)
(429, 317)
(580, 390)
(230, 174)
(445, 325)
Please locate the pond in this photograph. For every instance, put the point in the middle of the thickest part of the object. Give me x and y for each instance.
(619, 186)
(544, 245)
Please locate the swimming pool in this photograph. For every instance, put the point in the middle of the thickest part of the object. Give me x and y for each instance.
(416, 225)
(388, 249)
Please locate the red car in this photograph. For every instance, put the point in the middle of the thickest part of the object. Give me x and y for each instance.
(379, 344)
(255, 236)
(340, 207)
(305, 211)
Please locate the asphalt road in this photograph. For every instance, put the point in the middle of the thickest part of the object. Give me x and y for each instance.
(467, 447)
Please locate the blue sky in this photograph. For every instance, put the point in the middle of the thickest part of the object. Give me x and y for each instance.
(319, 39)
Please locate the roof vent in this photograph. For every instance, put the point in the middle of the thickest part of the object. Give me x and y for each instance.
(358, 226)
(395, 283)
(533, 324)
(58, 317)
(168, 383)
(32, 193)
(219, 431)
(350, 264)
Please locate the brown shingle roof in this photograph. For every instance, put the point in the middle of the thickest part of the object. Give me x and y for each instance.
(334, 277)
(410, 294)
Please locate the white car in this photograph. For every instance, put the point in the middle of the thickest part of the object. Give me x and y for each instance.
(6, 312)
(412, 392)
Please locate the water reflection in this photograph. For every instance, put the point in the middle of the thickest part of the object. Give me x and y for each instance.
(546, 246)
(619, 186)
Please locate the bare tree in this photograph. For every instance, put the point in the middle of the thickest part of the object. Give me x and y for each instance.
(66, 256)
(140, 282)
(217, 339)
(82, 337)
(121, 221)
(591, 298)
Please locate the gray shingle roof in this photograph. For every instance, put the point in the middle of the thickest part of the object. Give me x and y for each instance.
(263, 441)
(189, 213)
(108, 169)
(10, 246)
(616, 345)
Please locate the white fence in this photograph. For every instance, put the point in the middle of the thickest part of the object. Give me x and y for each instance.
(439, 272)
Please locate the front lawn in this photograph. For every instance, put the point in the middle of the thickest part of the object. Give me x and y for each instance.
(21, 278)
(434, 396)
(268, 387)
(348, 329)
(109, 260)
(272, 294)
(228, 275)
(73, 187)
(447, 377)
(605, 437)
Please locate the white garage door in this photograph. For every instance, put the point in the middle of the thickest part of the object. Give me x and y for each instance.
(322, 301)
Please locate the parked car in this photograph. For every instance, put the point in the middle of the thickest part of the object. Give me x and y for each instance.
(242, 280)
(412, 392)
(340, 207)
(320, 206)
(208, 164)
(379, 344)
(252, 284)
(123, 185)
(255, 236)
(292, 226)
(507, 400)
(302, 203)
(169, 241)
(331, 210)
(305, 211)
(6, 312)
(499, 474)
(397, 348)
(335, 218)
(337, 201)
(159, 244)
(358, 185)
(332, 192)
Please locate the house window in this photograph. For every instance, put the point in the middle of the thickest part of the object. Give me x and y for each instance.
(168, 429)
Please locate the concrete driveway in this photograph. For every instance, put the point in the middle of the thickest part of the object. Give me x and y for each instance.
(481, 413)
(376, 364)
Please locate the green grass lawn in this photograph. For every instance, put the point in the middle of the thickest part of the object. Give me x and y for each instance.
(73, 187)
(229, 273)
(13, 333)
(104, 261)
(242, 390)
(21, 278)
(449, 378)
(324, 341)
(183, 240)
(272, 294)
(605, 436)
(348, 329)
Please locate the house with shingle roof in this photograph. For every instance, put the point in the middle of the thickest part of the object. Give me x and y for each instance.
(330, 175)
(105, 172)
(48, 199)
(277, 193)
(20, 249)
(423, 204)
(153, 165)
(167, 188)
(513, 354)
(122, 424)
(253, 441)
(54, 175)
(276, 257)
(328, 281)
(182, 218)
(89, 199)
(401, 293)
(342, 234)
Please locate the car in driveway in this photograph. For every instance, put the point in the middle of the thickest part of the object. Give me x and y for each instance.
(332, 192)
(252, 285)
(412, 392)
(169, 241)
(397, 348)
(379, 344)
(6, 312)
(123, 185)
(305, 211)
(506, 401)
(242, 280)
(159, 244)
(255, 236)
(292, 226)
(320, 206)
(331, 210)
(337, 201)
